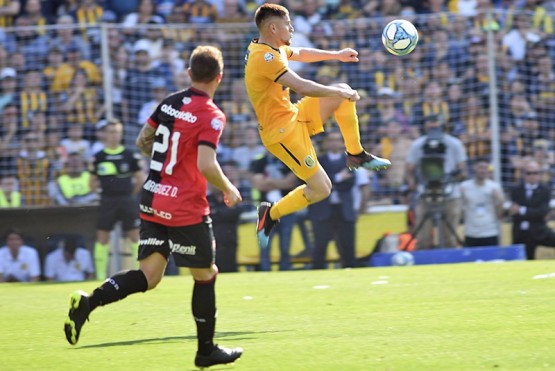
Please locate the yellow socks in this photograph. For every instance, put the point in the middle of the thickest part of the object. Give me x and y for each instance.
(347, 119)
(101, 256)
(293, 201)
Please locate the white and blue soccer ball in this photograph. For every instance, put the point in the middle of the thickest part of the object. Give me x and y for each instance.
(402, 258)
(399, 37)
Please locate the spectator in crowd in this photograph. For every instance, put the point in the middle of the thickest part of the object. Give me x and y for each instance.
(307, 17)
(9, 195)
(432, 103)
(88, 13)
(118, 175)
(18, 262)
(543, 154)
(74, 142)
(520, 37)
(475, 132)
(117, 73)
(75, 61)
(527, 132)
(54, 64)
(249, 149)
(145, 11)
(122, 8)
(67, 38)
(543, 89)
(232, 11)
(387, 110)
(334, 218)
(272, 180)
(453, 169)
(8, 87)
(458, 42)
(170, 64)
(153, 39)
(159, 92)
(8, 12)
(136, 90)
(33, 171)
(529, 210)
(80, 105)
(33, 45)
(73, 186)
(238, 108)
(8, 129)
(32, 98)
(69, 262)
(33, 12)
(199, 11)
(55, 153)
(482, 201)
(100, 137)
(395, 145)
(225, 221)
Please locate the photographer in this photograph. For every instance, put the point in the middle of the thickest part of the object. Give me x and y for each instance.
(436, 162)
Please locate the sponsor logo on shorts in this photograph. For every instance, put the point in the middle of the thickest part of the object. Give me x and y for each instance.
(268, 57)
(152, 241)
(185, 250)
(309, 161)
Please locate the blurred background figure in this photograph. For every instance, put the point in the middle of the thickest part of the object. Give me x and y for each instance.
(18, 262)
(9, 195)
(69, 262)
(482, 202)
(335, 217)
(73, 186)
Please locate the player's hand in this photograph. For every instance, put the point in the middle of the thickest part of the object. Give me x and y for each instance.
(350, 94)
(232, 197)
(347, 55)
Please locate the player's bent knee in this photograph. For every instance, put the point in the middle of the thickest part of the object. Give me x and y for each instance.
(204, 274)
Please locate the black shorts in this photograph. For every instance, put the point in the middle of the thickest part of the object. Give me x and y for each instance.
(113, 209)
(192, 246)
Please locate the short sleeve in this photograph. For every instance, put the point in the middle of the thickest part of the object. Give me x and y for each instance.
(273, 66)
(211, 132)
(154, 119)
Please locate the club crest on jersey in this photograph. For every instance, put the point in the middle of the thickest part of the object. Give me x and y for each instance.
(309, 161)
(216, 124)
(186, 100)
(268, 57)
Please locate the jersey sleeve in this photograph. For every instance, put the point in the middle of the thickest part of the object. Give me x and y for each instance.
(211, 132)
(272, 65)
(154, 119)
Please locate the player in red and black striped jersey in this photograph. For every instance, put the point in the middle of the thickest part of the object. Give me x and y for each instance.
(181, 138)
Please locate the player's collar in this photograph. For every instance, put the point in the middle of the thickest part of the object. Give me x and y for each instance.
(196, 91)
(255, 41)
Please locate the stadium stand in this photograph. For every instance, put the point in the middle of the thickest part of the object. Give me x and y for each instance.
(487, 70)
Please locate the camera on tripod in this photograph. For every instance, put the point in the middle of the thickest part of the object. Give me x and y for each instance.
(432, 166)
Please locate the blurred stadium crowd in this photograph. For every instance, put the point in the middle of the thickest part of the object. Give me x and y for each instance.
(66, 66)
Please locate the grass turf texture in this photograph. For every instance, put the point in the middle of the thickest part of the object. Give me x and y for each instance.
(445, 317)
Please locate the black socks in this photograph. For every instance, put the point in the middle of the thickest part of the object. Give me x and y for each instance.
(118, 287)
(204, 312)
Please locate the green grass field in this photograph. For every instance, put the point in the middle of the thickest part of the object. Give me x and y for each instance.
(444, 317)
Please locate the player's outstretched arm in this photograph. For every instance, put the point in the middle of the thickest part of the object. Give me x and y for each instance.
(209, 167)
(309, 88)
(145, 139)
(310, 55)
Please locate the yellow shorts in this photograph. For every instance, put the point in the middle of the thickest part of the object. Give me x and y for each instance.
(296, 150)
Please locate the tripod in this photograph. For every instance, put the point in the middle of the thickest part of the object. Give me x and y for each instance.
(435, 213)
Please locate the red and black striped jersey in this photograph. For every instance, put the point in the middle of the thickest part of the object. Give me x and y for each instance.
(174, 193)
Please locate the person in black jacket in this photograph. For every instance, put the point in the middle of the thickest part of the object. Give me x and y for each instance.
(334, 218)
(529, 209)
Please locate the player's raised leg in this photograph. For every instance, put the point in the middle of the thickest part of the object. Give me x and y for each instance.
(113, 289)
(345, 114)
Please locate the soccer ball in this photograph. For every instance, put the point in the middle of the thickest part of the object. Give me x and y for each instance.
(399, 37)
(402, 258)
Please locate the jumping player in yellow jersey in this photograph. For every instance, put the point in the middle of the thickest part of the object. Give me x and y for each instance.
(285, 128)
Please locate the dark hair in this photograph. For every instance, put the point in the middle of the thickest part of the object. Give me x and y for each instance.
(266, 11)
(13, 231)
(206, 63)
